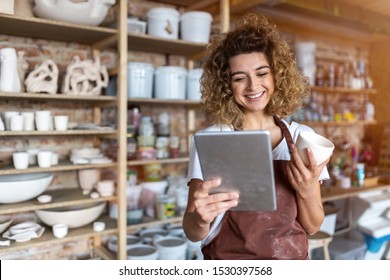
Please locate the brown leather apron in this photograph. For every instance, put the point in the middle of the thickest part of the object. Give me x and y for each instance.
(263, 235)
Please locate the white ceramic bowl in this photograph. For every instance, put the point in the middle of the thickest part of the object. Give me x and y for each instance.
(21, 187)
(89, 12)
(73, 216)
(321, 147)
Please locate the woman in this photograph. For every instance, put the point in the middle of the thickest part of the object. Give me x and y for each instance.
(250, 82)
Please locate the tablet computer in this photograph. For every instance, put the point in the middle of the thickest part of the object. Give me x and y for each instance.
(243, 161)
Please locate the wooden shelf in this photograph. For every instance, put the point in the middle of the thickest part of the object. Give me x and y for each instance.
(163, 102)
(62, 97)
(62, 166)
(338, 90)
(335, 193)
(339, 124)
(162, 161)
(54, 30)
(48, 238)
(69, 132)
(148, 43)
(150, 222)
(60, 198)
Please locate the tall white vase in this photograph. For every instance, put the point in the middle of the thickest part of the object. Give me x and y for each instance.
(9, 77)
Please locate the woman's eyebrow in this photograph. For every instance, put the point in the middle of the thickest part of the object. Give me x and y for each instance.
(242, 72)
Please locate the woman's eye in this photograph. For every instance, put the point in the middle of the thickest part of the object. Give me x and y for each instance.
(262, 74)
(238, 79)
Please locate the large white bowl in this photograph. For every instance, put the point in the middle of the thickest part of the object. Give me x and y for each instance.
(89, 12)
(21, 187)
(73, 216)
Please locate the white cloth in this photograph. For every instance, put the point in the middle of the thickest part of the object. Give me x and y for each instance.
(281, 152)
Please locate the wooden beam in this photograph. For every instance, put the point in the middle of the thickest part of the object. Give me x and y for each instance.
(337, 10)
(239, 6)
(201, 5)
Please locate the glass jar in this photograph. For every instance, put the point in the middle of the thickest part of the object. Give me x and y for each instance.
(146, 126)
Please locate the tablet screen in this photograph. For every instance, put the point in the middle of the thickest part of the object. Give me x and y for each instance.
(243, 162)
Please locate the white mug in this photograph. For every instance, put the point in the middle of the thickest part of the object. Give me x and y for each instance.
(60, 230)
(28, 121)
(43, 120)
(61, 123)
(7, 118)
(16, 123)
(21, 160)
(44, 159)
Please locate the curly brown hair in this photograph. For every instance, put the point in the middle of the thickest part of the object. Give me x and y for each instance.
(250, 33)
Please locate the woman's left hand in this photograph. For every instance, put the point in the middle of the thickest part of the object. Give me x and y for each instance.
(304, 179)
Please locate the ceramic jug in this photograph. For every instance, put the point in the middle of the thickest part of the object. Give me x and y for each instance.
(9, 77)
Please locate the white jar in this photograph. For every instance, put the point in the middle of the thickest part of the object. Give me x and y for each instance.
(193, 84)
(195, 26)
(170, 82)
(163, 22)
(140, 80)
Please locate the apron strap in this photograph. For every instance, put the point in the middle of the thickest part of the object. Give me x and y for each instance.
(286, 133)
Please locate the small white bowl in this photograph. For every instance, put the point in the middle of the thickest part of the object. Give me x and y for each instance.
(321, 147)
(44, 198)
(99, 226)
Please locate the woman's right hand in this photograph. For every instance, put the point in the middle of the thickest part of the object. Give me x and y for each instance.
(207, 206)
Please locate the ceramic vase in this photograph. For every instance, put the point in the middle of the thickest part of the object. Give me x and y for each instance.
(88, 179)
(9, 77)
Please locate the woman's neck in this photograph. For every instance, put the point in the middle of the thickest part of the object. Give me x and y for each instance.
(259, 122)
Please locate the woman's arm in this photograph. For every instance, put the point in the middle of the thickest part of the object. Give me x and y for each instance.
(304, 179)
(203, 208)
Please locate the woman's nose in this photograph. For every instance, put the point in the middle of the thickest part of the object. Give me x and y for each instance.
(252, 84)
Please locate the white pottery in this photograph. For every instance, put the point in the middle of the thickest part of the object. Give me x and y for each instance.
(60, 230)
(131, 240)
(17, 123)
(90, 12)
(43, 120)
(61, 123)
(28, 120)
(163, 22)
(5, 222)
(44, 158)
(73, 216)
(88, 179)
(9, 77)
(195, 26)
(8, 116)
(171, 247)
(21, 187)
(20, 160)
(7, 7)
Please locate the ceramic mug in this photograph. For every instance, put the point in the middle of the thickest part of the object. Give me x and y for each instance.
(44, 159)
(43, 120)
(61, 123)
(21, 160)
(60, 230)
(321, 147)
(28, 121)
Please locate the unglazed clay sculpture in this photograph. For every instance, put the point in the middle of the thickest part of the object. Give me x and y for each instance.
(85, 77)
(43, 78)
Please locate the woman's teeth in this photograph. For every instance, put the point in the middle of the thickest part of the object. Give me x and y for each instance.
(254, 96)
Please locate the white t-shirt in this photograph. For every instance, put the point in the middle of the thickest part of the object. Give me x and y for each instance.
(281, 152)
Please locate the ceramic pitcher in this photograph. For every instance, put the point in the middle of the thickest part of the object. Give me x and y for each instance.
(9, 77)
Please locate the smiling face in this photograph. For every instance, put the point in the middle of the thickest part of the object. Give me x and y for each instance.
(252, 82)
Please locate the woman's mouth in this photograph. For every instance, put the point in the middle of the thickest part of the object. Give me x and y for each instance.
(255, 96)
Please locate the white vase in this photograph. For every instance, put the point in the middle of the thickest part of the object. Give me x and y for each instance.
(9, 77)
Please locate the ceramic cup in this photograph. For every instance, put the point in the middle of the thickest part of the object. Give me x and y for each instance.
(321, 147)
(44, 158)
(28, 121)
(17, 123)
(43, 120)
(61, 123)
(7, 118)
(105, 187)
(60, 230)
(21, 160)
